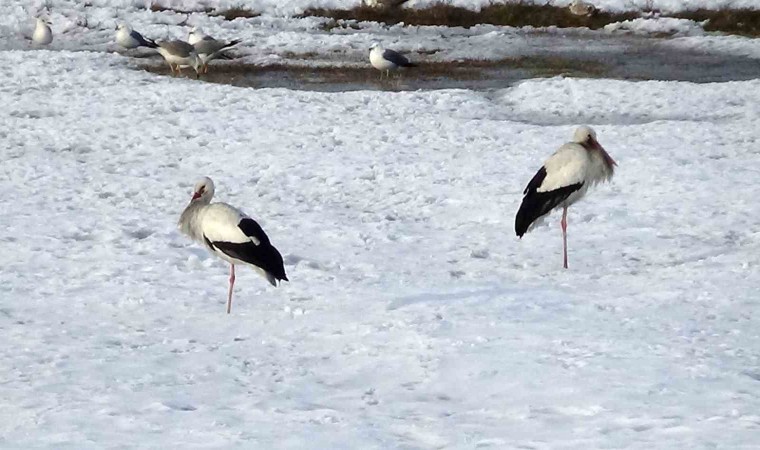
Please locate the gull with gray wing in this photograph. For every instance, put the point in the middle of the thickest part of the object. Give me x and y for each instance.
(386, 60)
(207, 47)
(179, 53)
(129, 38)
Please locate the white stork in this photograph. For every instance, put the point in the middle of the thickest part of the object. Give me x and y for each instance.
(231, 235)
(386, 60)
(563, 180)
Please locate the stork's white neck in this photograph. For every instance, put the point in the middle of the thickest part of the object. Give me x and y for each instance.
(189, 222)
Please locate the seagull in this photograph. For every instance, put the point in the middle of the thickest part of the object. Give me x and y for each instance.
(179, 53)
(386, 60)
(128, 38)
(195, 35)
(207, 47)
(563, 180)
(42, 33)
(231, 235)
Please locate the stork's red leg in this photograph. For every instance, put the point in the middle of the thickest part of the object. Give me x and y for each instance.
(232, 283)
(564, 235)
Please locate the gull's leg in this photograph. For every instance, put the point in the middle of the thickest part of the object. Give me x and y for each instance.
(564, 235)
(232, 283)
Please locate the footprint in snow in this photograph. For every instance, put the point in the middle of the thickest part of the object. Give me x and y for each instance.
(79, 236)
(480, 253)
(369, 397)
(139, 234)
(179, 406)
(293, 260)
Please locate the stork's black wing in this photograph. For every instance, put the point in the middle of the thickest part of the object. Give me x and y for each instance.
(263, 255)
(536, 204)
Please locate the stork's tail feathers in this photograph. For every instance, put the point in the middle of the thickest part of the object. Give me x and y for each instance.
(276, 270)
(409, 64)
(525, 216)
(273, 279)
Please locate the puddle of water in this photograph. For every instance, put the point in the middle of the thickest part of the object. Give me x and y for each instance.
(355, 79)
(615, 57)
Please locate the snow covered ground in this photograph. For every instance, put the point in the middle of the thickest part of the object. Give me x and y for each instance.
(414, 317)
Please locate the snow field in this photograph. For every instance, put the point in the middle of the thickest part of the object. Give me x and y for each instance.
(415, 318)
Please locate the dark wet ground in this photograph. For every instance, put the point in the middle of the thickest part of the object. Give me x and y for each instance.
(617, 57)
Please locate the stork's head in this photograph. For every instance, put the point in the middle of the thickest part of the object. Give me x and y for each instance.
(586, 136)
(375, 45)
(203, 190)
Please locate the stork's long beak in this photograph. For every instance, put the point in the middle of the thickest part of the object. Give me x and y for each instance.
(196, 195)
(611, 162)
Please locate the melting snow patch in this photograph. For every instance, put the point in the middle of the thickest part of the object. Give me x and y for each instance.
(659, 25)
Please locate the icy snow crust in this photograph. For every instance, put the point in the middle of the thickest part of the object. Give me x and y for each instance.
(414, 318)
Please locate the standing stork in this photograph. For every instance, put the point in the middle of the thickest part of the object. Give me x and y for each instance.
(231, 235)
(563, 180)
